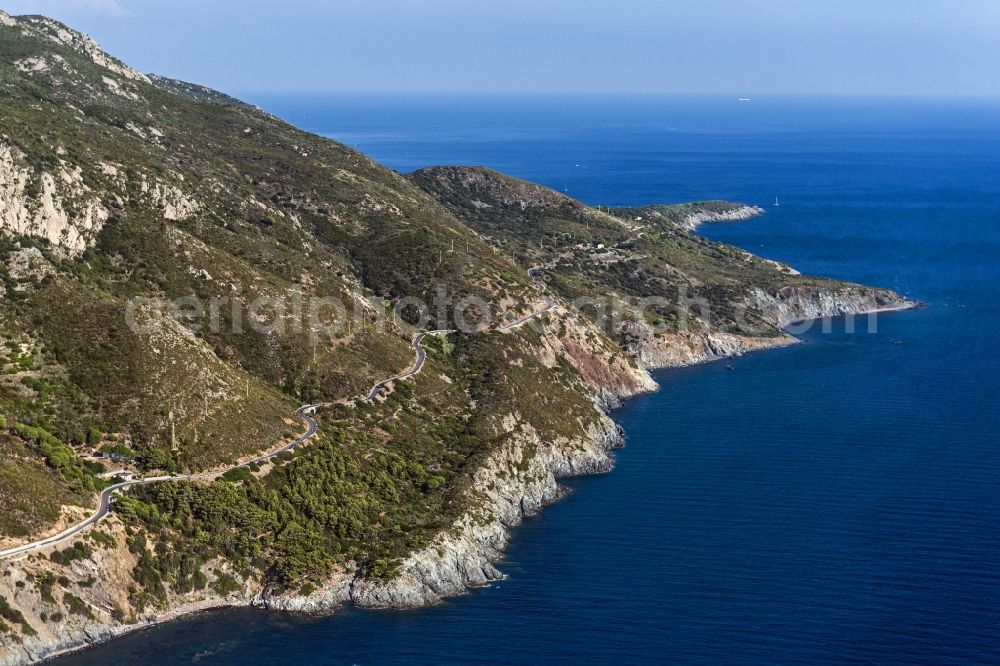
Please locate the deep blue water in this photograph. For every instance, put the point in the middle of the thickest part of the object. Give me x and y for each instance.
(834, 502)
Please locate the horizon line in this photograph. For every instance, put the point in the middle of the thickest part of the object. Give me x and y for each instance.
(630, 93)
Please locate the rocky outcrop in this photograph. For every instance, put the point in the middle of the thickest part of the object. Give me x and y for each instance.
(79, 42)
(782, 308)
(62, 209)
(172, 203)
(84, 602)
(516, 481)
(678, 349)
(797, 303)
(610, 375)
(737, 213)
(688, 216)
(58, 207)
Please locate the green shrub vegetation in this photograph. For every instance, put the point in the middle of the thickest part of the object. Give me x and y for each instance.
(646, 252)
(45, 582)
(14, 616)
(226, 585)
(376, 482)
(78, 551)
(278, 214)
(77, 606)
(238, 474)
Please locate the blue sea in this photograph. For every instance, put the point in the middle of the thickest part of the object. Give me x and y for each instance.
(835, 502)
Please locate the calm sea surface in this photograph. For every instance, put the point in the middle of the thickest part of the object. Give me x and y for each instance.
(835, 502)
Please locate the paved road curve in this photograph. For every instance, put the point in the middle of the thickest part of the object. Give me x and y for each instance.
(550, 303)
(303, 413)
(418, 364)
(104, 508)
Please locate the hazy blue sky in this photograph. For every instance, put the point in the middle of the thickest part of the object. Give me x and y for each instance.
(732, 46)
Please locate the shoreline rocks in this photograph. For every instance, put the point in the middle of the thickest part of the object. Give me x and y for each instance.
(517, 480)
(739, 213)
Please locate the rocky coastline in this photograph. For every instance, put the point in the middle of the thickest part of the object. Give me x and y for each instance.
(739, 213)
(465, 557)
(517, 480)
(166, 183)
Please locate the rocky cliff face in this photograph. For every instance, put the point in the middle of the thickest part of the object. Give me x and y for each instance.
(79, 42)
(782, 308)
(81, 603)
(610, 375)
(522, 477)
(56, 206)
(796, 303)
(674, 350)
(258, 193)
(516, 481)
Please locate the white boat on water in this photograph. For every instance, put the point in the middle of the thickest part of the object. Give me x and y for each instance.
(776, 201)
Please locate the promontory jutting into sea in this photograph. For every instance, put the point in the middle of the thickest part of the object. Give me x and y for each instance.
(378, 378)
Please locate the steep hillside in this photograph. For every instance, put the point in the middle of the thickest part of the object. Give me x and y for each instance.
(180, 271)
(122, 185)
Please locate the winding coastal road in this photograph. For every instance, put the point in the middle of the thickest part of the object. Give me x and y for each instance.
(304, 412)
(418, 364)
(550, 303)
(107, 495)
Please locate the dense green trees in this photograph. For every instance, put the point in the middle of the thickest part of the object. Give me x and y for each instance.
(378, 481)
